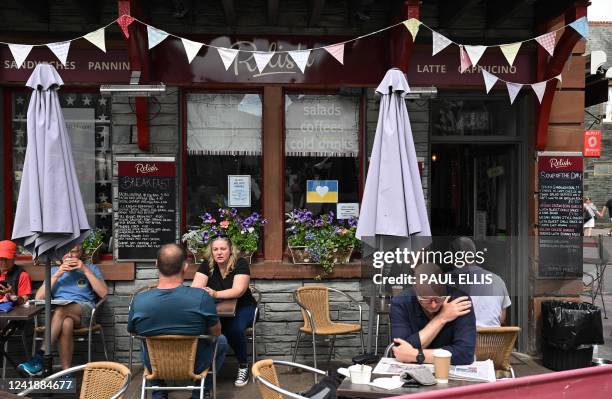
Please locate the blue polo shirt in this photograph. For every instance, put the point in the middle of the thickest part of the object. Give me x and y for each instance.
(458, 337)
(180, 311)
(74, 285)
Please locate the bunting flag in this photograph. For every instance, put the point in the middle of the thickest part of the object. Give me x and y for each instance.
(465, 60)
(337, 51)
(262, 59)
(489, 80)
(124, 21)
(548, 42)
(155, 36)
(513, 90)
(60, 50)
(475, 52)
(559, 78)
(191, 48)
(300, 58)
(20, 52)
(228, 56)
(581, 26)
(538, 89)
(510, 51)
(97, 39)
(439, 42)
(412, 25)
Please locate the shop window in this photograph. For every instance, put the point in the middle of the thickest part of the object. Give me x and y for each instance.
(602, 169)
(87, 117)
(223, 145)
(321, 151)
(472, 117)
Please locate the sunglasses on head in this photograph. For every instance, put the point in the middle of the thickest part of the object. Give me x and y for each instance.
(431, 299)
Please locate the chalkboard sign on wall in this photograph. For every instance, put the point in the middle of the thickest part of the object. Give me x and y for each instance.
(560, 215)
(146, 200)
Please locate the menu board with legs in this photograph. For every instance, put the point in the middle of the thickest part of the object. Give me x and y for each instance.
(560, 215)
(146, 199)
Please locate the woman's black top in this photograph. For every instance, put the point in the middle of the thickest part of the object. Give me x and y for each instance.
(218, 283)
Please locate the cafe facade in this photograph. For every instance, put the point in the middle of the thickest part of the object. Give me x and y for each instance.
(281, 127)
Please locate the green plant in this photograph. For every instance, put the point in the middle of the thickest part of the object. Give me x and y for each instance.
(243, 231)
(323, 236)
(92, 241)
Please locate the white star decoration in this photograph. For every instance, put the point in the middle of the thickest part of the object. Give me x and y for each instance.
(103, 216)
(86, 100)
(20, 100)
(70, 100)
(102, 197)
(102, 117)
(102, 100)
(104, 229)
(20, 116)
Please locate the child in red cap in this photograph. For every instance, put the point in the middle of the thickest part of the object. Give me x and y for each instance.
(15, 283)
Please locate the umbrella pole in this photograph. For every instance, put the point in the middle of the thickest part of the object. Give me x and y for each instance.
(372, 306)
(48, 357)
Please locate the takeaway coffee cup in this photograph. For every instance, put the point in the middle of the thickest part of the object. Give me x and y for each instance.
(442, 360)
(360, 374)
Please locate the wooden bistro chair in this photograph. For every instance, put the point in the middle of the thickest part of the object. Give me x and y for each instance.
(314, 301)
(264, 374)
(80, 334)
(101, 380)
(172, 358)
(497, 344)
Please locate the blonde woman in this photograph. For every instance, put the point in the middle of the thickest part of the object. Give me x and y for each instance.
(225, 276)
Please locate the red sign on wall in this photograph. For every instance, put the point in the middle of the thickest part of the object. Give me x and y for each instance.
(592, 143)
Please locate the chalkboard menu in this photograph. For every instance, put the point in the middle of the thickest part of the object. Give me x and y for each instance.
(560, 215)
(146, 199)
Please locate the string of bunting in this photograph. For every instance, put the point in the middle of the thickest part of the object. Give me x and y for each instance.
(469, 55)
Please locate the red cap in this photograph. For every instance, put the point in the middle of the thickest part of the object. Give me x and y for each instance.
(7, 249)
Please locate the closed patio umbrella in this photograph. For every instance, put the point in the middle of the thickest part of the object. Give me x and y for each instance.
(50, 217)
(393, 207)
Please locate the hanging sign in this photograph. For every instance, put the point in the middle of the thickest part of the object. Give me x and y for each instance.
(239, 191)
(592, 143)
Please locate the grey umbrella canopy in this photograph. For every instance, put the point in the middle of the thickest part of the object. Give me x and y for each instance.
(50, 216)
(393, 207)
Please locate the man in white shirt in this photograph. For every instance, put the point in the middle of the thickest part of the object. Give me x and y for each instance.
(490, 302)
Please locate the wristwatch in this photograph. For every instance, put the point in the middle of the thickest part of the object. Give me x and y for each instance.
(420, 357)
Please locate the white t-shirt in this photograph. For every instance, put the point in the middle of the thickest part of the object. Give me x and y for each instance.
(493, 300)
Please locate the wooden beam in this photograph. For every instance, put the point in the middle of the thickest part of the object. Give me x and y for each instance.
(229, 9)
(316, 7)
(272, 12)
(499, 12)
(90, 9)
(555, 66)
(451, 11)
(40, 9)
(400, 41)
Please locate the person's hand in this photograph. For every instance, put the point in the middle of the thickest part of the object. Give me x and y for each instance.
(455, 308)
(404, 352)
(78, 264)
(63, 268)
(211, 292)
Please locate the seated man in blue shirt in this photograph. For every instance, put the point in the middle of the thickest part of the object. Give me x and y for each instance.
(73, 281)
(432, 316)
(174, 309)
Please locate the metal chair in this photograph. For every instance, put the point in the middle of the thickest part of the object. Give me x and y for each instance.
(314, 301)
(383, 306)
(101, 380)
(497, 343)
(264, 374)
(251, 331)
(25, 349)
(80, 334)
(173, 358)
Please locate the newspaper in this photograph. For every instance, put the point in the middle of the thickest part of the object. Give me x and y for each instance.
(483, 371)
(59, 302)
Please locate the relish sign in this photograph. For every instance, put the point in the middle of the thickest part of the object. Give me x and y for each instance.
(560, 215)
(146, 199)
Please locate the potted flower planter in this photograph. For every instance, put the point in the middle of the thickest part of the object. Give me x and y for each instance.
(248, 255)
(300, 256)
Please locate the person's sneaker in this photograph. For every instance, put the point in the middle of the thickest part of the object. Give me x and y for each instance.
(243, 377)
(33, 367)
